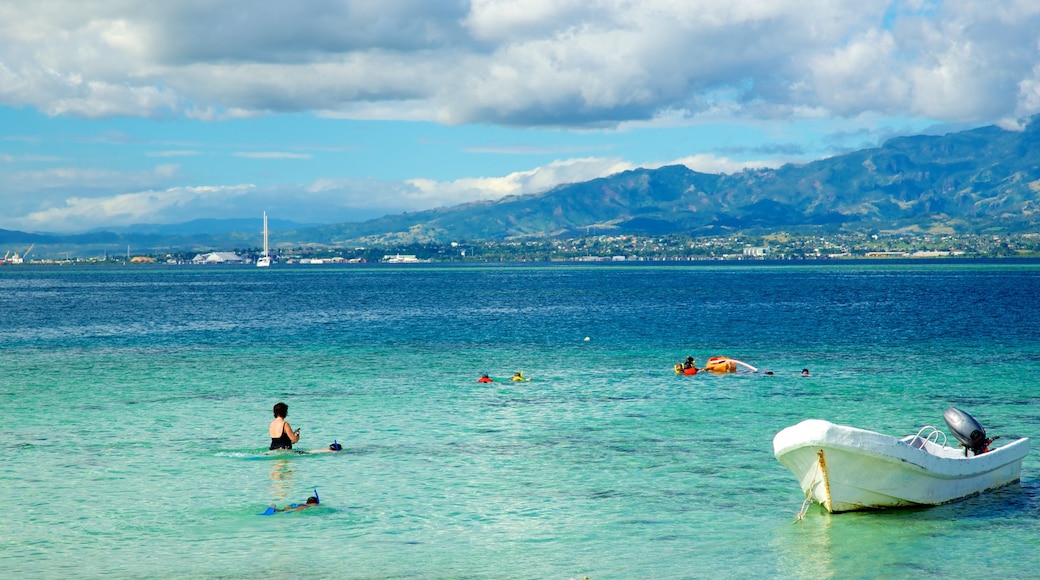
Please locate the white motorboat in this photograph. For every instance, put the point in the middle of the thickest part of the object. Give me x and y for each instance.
(846, 469)
(265, 260)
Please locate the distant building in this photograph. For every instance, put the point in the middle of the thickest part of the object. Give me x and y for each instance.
(757, 252)
(401, 259)
(218, 258)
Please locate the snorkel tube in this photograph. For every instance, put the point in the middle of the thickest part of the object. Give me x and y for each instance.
(317, 501)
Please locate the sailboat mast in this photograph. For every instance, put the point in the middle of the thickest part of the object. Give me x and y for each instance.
(264, 261)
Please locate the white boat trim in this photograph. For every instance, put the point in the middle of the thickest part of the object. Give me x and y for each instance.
(846, 469)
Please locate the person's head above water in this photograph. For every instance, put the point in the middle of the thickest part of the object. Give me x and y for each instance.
(281, 410)
(312, 500)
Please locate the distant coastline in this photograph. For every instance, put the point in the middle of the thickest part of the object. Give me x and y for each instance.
(767, 247)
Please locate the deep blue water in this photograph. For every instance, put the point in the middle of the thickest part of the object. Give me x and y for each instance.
(139, 399)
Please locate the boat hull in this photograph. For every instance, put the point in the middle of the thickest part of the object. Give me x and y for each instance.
(849, 469)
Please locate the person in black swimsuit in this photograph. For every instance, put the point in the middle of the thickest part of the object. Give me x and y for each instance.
(282, 434)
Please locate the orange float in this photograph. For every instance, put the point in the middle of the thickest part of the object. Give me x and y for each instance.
(681, 369)
(724, 364)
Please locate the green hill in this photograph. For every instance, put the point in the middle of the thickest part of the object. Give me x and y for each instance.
(986, 179)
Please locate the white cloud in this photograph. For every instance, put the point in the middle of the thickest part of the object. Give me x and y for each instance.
(6, 158)
(172, 153)
(61, 179)
(708, 163)
(553, 63)
(437, 193)
(272, 155)
(131, 208)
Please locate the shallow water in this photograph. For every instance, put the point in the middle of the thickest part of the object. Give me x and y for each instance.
(140, 399)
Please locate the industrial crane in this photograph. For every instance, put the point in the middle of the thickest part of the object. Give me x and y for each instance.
(16, 259)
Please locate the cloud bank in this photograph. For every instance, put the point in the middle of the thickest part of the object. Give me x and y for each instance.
(564, 63)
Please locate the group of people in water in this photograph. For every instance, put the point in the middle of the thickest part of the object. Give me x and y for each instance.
(282, 438)
(687, 367)
(517, 376)
(720, 364)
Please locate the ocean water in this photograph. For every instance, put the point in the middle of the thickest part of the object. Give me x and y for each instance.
(138, 398)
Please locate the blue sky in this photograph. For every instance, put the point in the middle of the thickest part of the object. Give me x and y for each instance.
(118, 112)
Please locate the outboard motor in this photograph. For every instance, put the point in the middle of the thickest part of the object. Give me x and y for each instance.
(967, 430)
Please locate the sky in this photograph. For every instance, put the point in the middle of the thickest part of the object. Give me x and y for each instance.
(121, 112)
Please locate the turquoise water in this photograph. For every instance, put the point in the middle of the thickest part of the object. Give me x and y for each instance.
(138, 402)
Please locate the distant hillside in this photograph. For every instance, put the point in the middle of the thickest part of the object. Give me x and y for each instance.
(983, 180)
(986, 179)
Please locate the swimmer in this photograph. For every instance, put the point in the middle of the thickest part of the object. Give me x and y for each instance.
(805, 372)
(518, 376)
(484, 378)
(293, 507)
(282, 434)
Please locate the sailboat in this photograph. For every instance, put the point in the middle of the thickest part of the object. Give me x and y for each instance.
(265, 260)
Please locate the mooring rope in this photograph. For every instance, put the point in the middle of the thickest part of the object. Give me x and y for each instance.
(808, 496)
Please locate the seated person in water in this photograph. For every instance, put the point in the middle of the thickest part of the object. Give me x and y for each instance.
(282, 434)
(484, 378)
(518, 377)
(294, 507)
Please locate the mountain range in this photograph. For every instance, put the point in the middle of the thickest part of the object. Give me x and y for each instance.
(976, 181)
(982, 180)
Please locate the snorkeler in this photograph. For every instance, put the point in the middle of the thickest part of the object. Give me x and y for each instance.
(293, 507)
(334, 447)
